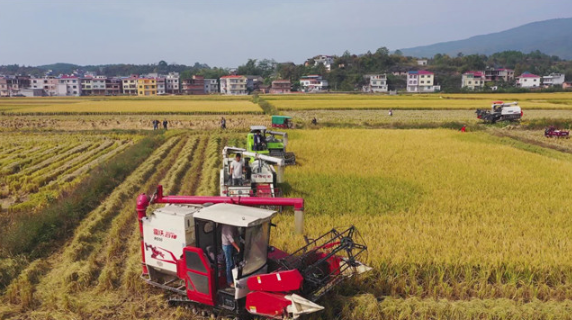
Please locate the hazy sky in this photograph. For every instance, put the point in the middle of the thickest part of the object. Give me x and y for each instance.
(227, 33)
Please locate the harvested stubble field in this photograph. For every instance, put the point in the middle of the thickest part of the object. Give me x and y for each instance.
(127, 122)
(459, 225)
(548, 101)
(129, 105)
(35, 168)
(408, 118)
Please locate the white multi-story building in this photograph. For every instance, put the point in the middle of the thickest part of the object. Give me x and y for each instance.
(377, 83)
(161, 86)
(528, 80)
(313, 83)
(553, 79)
(234, 85)
(473, 80)
(129, 85)
(421, 81)
(50, 85)
(73, 85)
(211, 86)
(327, 61)
(172, 83)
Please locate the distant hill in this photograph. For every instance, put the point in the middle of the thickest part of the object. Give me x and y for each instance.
(553, 37)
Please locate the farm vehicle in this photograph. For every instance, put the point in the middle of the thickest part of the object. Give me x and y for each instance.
(260, 178)
(272, 143)
(500, 111)
(551, 132)
(182, 254)
(282, 122)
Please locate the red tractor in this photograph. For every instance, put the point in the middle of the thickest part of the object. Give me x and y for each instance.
(551, 132)
(182, 253)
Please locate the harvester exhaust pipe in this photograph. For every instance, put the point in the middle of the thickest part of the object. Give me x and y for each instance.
(297, 203)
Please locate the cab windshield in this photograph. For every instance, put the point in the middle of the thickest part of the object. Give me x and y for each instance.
(256, 247)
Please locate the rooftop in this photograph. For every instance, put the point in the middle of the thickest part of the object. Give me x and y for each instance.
(420, 72)
(528, 75)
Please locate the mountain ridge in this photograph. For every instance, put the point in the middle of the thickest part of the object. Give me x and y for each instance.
(553, 37)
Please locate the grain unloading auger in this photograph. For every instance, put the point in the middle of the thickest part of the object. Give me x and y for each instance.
(181, 253)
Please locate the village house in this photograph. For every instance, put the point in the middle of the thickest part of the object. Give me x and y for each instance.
(280, 86)
(146, 87)
(326, 60)
(313, 83)
(528, 80)
(567, 85)
(73, 85)
(4, 87)
(473, 80)
(421, 81)
(376, 83)
(553, 80)
(50, 85)
(233, 85)
(112, 86)
(172, 83)
(161, 86)
(193, 86)
(129, 85)
(211, 86)
(502, 74)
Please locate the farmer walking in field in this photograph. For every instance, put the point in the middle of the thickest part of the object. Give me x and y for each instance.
(223, 123)
(391, 112)
(155, 124)
(165, 124)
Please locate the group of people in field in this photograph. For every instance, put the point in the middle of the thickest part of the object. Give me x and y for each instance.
(156, 124)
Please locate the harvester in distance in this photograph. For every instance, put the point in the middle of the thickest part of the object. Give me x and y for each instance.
(182, 254)
(501, 111)
(553, 132)
(261, 178)
(273, 143)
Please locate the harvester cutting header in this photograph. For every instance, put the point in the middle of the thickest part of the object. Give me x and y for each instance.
(182, 248)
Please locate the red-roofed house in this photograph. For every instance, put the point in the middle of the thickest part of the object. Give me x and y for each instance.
(234, 85)
(473, 80)
(528, 80)
(421, 81)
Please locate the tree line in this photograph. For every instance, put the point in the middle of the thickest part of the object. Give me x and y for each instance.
(347, 71)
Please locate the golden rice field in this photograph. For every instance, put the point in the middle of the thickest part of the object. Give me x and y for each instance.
(129, 105)
(459, 226)
(554, 101)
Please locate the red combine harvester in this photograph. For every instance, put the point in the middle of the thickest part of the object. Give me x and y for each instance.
(182, 253)
(551, 132)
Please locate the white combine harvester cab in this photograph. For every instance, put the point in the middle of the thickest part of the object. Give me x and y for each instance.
(259, 179)
(501, 111)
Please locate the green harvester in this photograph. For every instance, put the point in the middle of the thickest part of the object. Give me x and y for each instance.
(273, 144)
